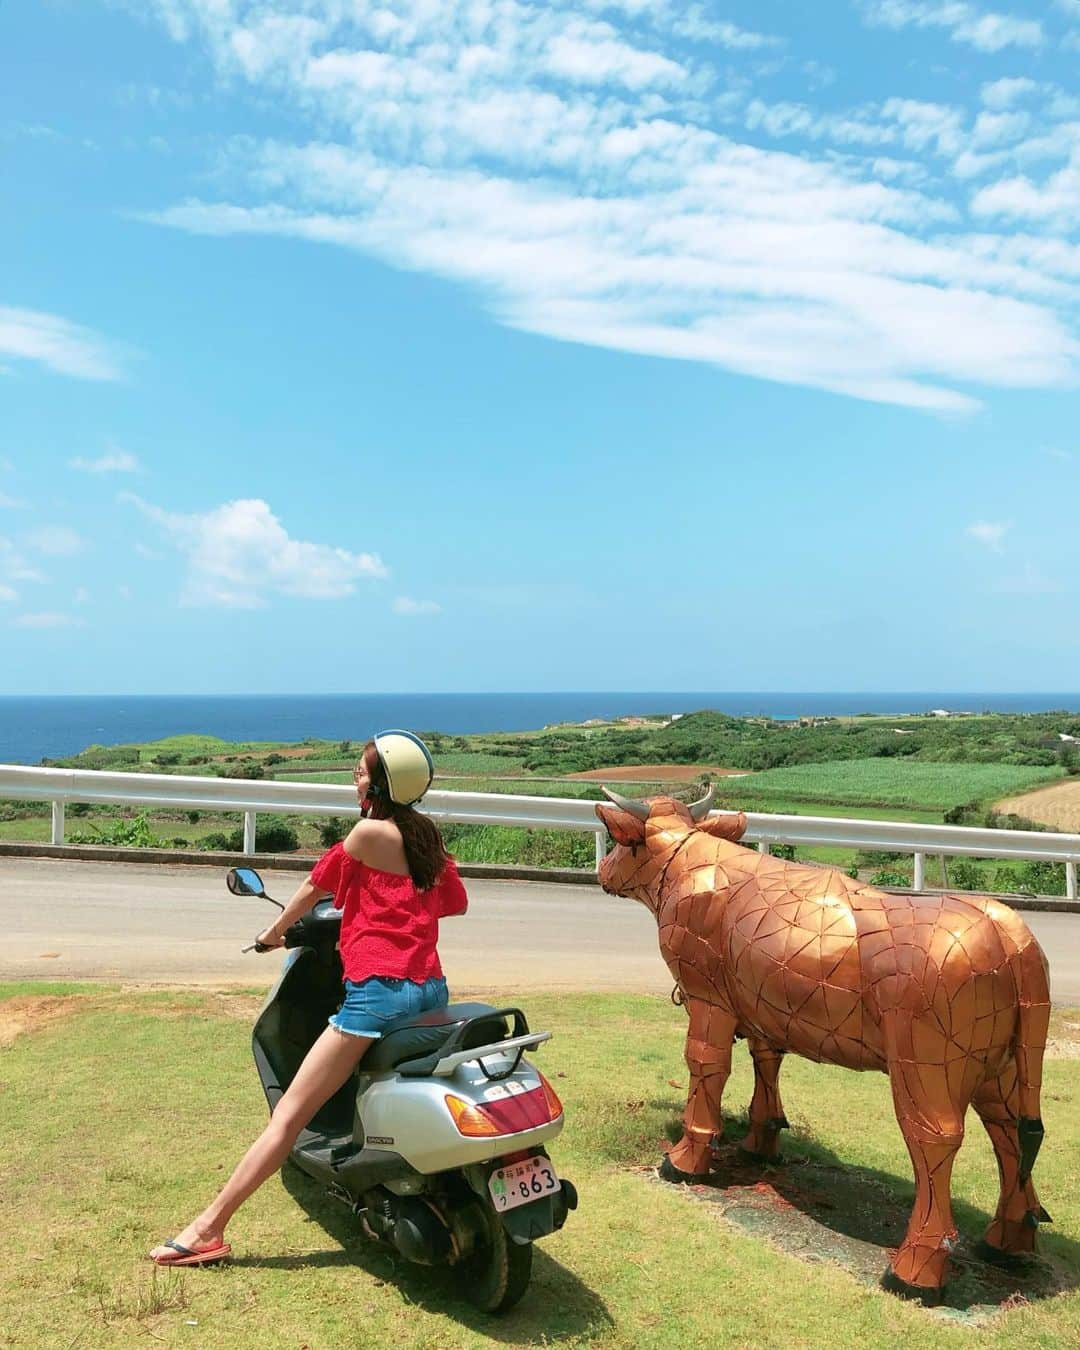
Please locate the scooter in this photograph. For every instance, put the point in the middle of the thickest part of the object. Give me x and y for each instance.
(438, 1141)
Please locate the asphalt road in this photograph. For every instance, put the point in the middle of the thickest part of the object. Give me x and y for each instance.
(135, 922)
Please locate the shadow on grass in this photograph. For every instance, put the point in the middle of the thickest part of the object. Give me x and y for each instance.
(815, 1205)
(557, 1306)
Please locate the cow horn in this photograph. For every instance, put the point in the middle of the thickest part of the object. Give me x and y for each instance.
(700, 809)
(639, 809)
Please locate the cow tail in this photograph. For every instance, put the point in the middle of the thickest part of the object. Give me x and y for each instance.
(1033, 979)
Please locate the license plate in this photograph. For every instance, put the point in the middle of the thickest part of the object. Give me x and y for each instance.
(522, 1182)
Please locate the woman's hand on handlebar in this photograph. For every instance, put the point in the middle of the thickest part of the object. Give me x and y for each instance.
(268, 940)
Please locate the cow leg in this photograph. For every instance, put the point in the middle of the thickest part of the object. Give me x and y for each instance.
(767, 1117)
(1012, 1232)
(708, 1057)
(932, 1124)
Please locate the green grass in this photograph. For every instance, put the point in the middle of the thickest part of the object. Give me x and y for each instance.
(894, 783)
(119, 1121)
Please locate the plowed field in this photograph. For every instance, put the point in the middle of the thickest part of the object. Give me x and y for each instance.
(654, 773)
(1057, 805)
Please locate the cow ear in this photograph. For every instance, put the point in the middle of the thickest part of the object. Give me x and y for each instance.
(621, 825)
(730, 827)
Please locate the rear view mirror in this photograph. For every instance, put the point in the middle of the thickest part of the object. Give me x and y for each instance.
(244, 881)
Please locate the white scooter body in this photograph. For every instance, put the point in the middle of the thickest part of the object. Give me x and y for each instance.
(438, 1140)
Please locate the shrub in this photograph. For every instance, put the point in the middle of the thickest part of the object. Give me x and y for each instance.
(333, 830)
(1041, 878)
(966, 875)
(245, 769)
(215, 843)
(193, 817)
(888, 877)
(134, 833)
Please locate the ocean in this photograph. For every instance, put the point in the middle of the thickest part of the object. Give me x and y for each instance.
(36, 727)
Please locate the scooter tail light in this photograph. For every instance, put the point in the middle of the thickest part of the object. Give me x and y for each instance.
(555, 1106)
(471, 1121)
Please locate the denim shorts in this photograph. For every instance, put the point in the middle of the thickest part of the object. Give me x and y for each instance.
(376, 1001)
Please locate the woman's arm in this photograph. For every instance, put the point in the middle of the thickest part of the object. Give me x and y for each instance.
(306, 895)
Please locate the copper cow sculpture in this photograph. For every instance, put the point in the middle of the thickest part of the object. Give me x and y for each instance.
(946, 994)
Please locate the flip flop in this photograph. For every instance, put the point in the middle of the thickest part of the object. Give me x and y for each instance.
(186, 1257)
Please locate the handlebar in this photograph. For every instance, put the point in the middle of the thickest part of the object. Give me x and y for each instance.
(292, 937)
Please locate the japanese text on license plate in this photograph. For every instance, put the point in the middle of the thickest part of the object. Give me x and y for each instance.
(522, 1182)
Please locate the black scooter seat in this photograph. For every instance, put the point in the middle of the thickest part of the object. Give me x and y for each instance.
(416, 1037)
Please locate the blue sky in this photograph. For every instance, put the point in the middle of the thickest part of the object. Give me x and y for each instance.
(427, 345)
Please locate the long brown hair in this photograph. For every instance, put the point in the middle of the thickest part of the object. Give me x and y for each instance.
(425, 852)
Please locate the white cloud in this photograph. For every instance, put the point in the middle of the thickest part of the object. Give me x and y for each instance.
(151, 555)
(54, 342)
(55, 540)
(11, 503)
(990, 533)
(586, 196)
(47, 619)
(81, 596)
(1002, 94)
(8, 593)
(988, 32)
(1056, 200)
(693, 23)
(591, 53)
(14, 566)
(1055, 452)
(239, 553)
(403, 605)
(115, 461)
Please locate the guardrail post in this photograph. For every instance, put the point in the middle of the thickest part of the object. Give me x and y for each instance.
(249, 832)
(601, 847)
(1070, 880)
(58, 822)
(918, 881)
(764, 846)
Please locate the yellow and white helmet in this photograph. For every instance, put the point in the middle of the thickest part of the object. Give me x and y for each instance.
(408, 764)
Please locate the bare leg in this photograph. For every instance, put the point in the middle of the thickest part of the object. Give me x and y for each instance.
(766, 1109)
(1012, 1231)
(326, 1067)
(708, 1056)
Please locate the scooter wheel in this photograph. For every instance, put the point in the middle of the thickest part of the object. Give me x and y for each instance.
(498, 1271)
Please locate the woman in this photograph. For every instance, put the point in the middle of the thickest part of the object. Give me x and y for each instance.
(395, 880)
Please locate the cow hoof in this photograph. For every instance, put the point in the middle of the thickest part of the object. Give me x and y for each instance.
(928, 1295)
(669, 1172)
(997, 1256)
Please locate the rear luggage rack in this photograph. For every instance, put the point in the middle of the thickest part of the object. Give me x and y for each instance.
(456, 1049)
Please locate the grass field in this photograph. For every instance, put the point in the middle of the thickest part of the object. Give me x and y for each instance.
(913, 784)
(121, 1110)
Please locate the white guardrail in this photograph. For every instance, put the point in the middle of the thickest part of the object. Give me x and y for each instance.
(250, 796)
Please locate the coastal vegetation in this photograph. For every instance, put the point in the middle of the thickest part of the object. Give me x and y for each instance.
(953, 769)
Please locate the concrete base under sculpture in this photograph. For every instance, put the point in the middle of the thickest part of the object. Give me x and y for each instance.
(948, 995)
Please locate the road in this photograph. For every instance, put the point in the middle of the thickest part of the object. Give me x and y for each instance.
(143, 922)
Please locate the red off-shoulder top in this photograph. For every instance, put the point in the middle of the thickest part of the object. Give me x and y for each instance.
(388, 927)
